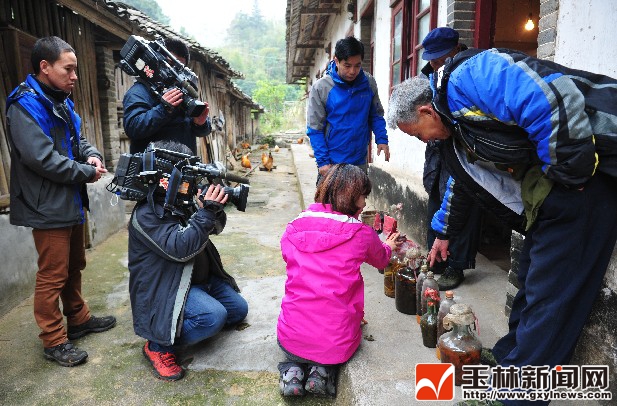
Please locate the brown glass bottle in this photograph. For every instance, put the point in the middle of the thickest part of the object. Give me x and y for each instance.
(428, 325)
(405, 291)
(459, 346)
(419, 281)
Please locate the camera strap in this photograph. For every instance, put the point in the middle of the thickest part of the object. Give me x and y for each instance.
(172, 189)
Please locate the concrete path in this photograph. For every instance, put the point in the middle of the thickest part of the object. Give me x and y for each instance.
(238, 366)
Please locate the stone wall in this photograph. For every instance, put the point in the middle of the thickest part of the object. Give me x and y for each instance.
(19, 267)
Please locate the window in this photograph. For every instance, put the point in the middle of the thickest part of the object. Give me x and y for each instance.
(411, 21)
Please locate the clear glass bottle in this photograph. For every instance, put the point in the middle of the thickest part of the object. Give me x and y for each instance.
(444, 308)
(388, 275)
(429, 283)
(405, 291)
(428, 325)
(459, 346)
(419, 281)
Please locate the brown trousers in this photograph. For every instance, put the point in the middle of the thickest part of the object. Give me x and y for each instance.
(62, 256)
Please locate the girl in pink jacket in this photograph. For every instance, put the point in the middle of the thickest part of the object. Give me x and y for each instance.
(321, 312)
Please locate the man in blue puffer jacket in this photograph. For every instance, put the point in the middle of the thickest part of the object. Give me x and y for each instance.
(534, 142)
(51, 162)
(343, 109)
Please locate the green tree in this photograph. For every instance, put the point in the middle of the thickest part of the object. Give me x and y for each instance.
(256, 48)
(150, 8)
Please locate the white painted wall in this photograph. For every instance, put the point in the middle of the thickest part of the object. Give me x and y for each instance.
(591, 44)
(407, 154)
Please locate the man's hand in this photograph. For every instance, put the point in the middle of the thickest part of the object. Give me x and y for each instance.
(386, 150)
(201, 119)
(172, 98)
(214, 193)
(100, 169)
(324, 169)
(439, 251)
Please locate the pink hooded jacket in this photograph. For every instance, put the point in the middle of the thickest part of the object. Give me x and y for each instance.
(324, 293)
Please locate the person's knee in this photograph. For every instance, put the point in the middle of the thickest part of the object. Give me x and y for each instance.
(239, 313)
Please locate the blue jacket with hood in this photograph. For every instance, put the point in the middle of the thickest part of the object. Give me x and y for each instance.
(48, 154)
(341, 117)
(510, 112)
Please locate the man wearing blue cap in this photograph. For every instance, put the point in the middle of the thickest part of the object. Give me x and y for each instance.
(439, 45)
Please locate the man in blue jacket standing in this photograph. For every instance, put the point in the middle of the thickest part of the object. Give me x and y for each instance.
(343, 109)
(51, 162)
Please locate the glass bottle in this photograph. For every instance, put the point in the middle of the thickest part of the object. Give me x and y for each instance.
(388, 275)
(459, 346)
(444, 308)
(405, 291)
(419, 281)
(429, 283)
(428, 325)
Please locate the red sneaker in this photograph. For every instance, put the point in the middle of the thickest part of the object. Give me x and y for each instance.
(164, 363)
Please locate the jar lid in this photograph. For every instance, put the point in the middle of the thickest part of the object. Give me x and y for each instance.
(460, 314)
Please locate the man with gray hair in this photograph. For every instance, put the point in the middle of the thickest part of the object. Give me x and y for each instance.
(534, 142)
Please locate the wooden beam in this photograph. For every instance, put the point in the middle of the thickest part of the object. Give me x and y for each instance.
(319, 11)
(100, 16)
(309, 46)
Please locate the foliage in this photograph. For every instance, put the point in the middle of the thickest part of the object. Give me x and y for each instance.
(256, 48)
(150, 8)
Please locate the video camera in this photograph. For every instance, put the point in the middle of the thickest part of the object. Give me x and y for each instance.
(160, 69)
(175, 175)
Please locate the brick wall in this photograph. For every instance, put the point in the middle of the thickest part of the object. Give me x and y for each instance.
(462, 18)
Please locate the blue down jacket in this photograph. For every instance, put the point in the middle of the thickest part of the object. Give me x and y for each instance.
(341, 117)
(48, 155)
(509, 112)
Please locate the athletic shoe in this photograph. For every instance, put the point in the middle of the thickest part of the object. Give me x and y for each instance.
(291, 381)
(321, 381)
(65, 354)
(164, 363)
(94, 325)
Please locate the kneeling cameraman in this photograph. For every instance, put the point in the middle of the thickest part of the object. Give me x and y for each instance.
(180, 293)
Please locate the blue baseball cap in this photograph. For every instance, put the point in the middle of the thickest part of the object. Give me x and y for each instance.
(439, 42)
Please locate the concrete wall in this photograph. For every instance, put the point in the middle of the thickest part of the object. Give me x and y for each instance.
(18, 255)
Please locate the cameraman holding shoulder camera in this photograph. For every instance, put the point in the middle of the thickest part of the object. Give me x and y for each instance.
(180, 293)
(148, 119)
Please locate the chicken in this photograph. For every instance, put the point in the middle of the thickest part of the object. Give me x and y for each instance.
(264, 146)
(269, 163)
(245, 145)
(245, 162)
(300, 140)
(276, 148)
(264, 159)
